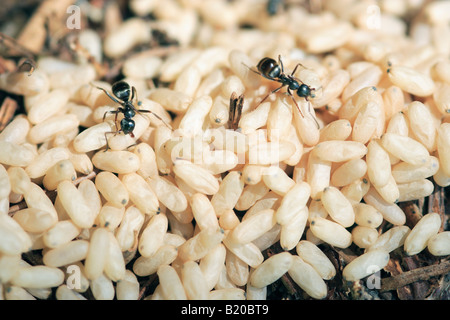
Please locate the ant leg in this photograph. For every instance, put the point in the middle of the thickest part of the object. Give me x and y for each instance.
(111, 111)
(109, 95)
(132, 145)
(257, 72)
(116, 112)
(309, 110)
(106, 138)
(273, 91)
(295, 69)
(296, 104)
(134, 94)
(155, 115)
(280, 63)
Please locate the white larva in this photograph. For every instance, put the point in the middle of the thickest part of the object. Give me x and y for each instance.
(291, 233)
(293, 201)
(312, 255)
(277, 180)
(97, 254)
(153, 234)
(141, 193)
(253, 227)
(411, 81)
(128, 287)
(197, 177)
(391, 212)
(391, 239)
(339, 151)
(378, 164)
(331, 232)
(38, 277)
(66, 254)
(405, 148)
(366, 264)
(171, 285)
(422, 232)
(439, 244)
(271, 270)
(338, 206)
(307, 278)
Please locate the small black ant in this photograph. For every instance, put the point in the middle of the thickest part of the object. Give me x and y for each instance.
(124, 95)
(270, 69)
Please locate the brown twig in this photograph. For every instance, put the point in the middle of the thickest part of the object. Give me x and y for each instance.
(16, 49)
(424, 273)
(394, 268)
(34, 35)
(420, 287)
(436, 203)
(7, 110)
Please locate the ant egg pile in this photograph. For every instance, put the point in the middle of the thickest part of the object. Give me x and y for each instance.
(196, 198)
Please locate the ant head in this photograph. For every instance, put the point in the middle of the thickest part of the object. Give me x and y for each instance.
(269, 68)
(122, 90)
(304, 91)
(127, 126)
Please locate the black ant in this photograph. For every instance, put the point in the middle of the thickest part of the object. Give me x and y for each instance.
(270, 69)
(124, 95)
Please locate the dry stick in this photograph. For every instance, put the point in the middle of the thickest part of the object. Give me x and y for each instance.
(393, 283)
(394, 268)
(15, 47)
(436, 203)
(419, 288)
(7, 110)
(34, 34)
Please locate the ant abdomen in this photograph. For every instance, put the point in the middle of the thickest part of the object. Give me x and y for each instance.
(121, 90)
(269, 68)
